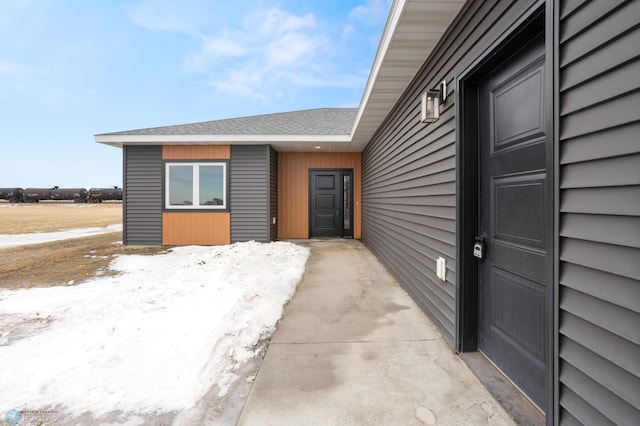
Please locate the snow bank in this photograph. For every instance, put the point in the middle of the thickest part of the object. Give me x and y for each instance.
(7, 241)
(151, 340)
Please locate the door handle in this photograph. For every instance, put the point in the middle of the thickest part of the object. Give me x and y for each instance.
(337, 212)
(480, 247)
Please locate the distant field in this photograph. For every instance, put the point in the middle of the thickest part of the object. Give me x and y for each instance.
(49, 217)
(61, 262)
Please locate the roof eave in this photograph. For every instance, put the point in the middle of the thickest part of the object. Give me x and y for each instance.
(385, 40)
(119, 140)
(400, 70)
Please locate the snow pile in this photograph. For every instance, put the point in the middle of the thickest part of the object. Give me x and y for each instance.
(7, 241)
(151, 340)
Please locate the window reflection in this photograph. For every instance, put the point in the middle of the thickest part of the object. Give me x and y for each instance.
(181, 185)
(211, 186)
(195, 185)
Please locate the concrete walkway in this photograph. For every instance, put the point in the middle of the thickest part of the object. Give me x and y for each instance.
(354, 349)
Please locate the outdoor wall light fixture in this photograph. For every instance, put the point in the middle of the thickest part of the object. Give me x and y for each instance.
(431, 100)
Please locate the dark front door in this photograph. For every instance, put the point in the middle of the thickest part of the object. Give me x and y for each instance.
(515, 211)
(330, 210)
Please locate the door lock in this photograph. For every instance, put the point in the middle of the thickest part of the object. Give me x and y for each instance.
(479, 247)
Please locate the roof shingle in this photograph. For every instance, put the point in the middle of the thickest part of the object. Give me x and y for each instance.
(322, 121)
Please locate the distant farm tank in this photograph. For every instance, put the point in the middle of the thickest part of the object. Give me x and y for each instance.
(35, 195)
(13, 195)
(77, 195)
(98, 195)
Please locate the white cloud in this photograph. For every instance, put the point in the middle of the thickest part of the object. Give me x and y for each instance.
(291, 48)
(12, 68)
(279, 21)
(371, 13)
(319, 79)
(270, 52)
(286, 50)
(22, 22)
(168, 15)
(348, 30)
(14, 14)
(27, 83)
(223, 46)
(247, 81)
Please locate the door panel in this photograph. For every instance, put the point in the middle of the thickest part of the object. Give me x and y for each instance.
(326, 213)
(515, 217)
(518, 200)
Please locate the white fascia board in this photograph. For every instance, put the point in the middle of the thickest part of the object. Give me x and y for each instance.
(120, 140)
(389, 31)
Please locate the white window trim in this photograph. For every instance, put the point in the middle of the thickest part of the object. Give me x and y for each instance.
(196, 187)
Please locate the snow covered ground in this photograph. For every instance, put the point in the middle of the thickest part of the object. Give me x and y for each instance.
(7, 241)
(155, 339)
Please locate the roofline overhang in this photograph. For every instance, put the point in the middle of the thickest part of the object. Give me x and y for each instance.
(392, 23)
(392, 72)
(120, 140)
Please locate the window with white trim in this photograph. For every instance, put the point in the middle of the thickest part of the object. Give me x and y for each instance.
(196, 186)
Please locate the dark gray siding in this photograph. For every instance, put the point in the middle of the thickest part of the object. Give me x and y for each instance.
(599, 60)
(249, 181)
(142, 195)
(409, 176)
(273, 193)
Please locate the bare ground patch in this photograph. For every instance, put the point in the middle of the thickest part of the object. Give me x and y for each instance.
(63, 262)
(51, 217)
(60, 262)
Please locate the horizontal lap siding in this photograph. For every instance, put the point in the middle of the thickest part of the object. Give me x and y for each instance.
(250, 192)
(142, 195)
(409, 169)
(599, 212)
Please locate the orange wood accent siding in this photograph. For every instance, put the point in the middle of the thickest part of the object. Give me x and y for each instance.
(207, 229)
(196, 152)
(293, 188)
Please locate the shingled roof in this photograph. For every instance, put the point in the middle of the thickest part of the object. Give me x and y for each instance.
(322, 121)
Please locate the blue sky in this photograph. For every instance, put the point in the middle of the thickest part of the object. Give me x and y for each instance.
(72, 68)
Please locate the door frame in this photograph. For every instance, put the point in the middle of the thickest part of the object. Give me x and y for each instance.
(343, 173)
(468, 185)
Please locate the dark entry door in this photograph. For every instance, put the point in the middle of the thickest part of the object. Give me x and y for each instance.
(330, 193)
(515, 218)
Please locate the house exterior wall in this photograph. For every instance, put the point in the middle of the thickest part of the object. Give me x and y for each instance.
(409, 169)
(599, 235)
(252, 196)
(142, 195)
(250, 177)
(195, 227)
(409, 195)
(293, 188)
